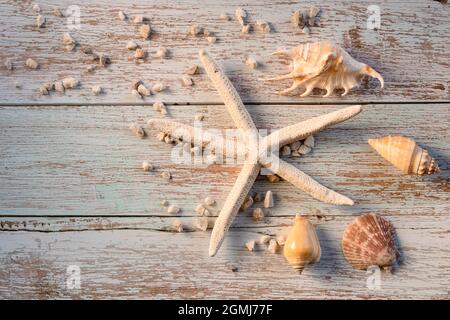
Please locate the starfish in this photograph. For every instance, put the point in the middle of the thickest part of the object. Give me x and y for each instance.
(255, 158)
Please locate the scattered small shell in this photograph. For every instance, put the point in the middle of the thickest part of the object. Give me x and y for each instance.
(161, 53)
(173, 209)
(187, 81)
(273, 246)
(137, 130)
(68, 39)
(147, 166)
(251, 62)
(132, 45)
(158, 87)
(286, 151)
(201, 210)
(177, 226)
(59, 87)
(209, 201)
(139, 54)
(70, 83)
(250, 245)
(136, 94)
(193, 69)
(160, 136)
(135, 84)
(211, 39)
(145, 31)
(201, 223)
(295, 145)
(304, 149)
(265, 239)
(96, 90)
(40, 21)
(281, 240)
(296, 154)
(166, 175)
(32, 64)
(258, 214)
(224, 16)
(143, 91)
(263, 26)
(138, 19)
(168, 139)
(57, 12)
(273, 178)
(43, 90)
(194, 30)
(9, 65)
(199, 117)
(160, 107)
(36, 8)
(268, 199)
(247, 203)
(309, 141)
(164, 203)
(241, 15)
(245, 29)
(122, 16)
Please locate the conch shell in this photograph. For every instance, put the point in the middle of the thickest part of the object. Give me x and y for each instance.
(302, 245)
(370, 241)
(324, 65)
(405, 154)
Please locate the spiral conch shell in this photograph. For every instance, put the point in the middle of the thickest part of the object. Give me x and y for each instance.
(370, 241)
(405, 154)
(302, 245)
(324, 65)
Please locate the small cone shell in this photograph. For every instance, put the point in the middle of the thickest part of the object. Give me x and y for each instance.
(370, 241)
(302, 245)
(405, 154)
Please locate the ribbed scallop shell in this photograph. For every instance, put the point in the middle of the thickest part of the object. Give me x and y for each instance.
(370, 240)
(324, 65)
(405, 154)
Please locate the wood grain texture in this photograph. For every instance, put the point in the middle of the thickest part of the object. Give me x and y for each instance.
(149, 264)
(409, 49)
(85, 161)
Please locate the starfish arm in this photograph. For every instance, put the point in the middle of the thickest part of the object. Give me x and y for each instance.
(231, 99)
(306, 128)
(235, 198)
(304, 182)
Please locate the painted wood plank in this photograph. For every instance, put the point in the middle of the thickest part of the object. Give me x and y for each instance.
(160, 265)
(85, 161)
(409, 49)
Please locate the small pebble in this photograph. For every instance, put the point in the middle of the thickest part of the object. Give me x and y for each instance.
(273, 246)
(258, 214)
(211, 39)
(201, 223)
(193, 69)
(304, 149)
(164, 203)
(195, 30)
(103, 59)
(309, 141)
(138, 19)
(137, 130)
(166, 175)
(296, 154)
(32, 64)
(57, 12)
(158, 87)
(147, 166)
(273, 178)
(139, 54)
(173, 209)
(68, 39)
(209, 201)
(36, 8)
(250, 245)
(187, 81)
(168, 139)
(281, 240)
(122, 16)
(251, 62)
(161, 53)
(96, 90)
(70, 83)
(257, 197)
(245, 28)
(268, 199)
(263, 26)
(264, 239)
(132, 45)
(40, 21)
(247, 203)
(177, 226)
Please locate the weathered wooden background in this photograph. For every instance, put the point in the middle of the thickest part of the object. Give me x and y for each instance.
(72, 191)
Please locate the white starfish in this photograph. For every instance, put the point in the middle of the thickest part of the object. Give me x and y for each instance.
(256, 159)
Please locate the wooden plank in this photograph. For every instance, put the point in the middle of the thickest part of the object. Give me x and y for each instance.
(409, 49)
(159, 265)
(85, 161)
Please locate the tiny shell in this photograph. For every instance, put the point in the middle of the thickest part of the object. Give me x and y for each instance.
(246, 28)
(164, 203)
(138, 19)
(273, 178)
(147, 166)
(70, 83)
(370, 240)
(132, 45)
(161, 53)
(68, 39)
(405, 154)
(195, 30)
(143, 90)
(324, 65)
(191, 70)
(158, 87)
(122, 16)
(285, 151)
(173, 209)
(209, 201)
(304, 149)
(309, 141)
(211, 39)
(273, 246)
(96, 90)
(199, 117)
(140, 54)
(251, 62)
(57, 12)
(263, 26)
(264, 239)
(32, 64)
(281, 240)
(166, 175)
(201, 223)
(250, 245)
(40, 21)
(177, 226)
(241, 15)
(138, 130)
(268, 199)
(258, 214)
(247, 203)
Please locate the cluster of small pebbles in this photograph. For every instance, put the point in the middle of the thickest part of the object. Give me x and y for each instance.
(196, 31)
(304, 21)
(59, 86)
(258, 212)
(242, 18)
(140, 90)
(271, 244)
(203, 210)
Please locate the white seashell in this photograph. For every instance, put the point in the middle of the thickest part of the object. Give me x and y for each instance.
(70, 83)
(268, 200)
(146, 166)
(132, 45)
(324, 65)
(143, 90)
(158, 87)
(173, 209)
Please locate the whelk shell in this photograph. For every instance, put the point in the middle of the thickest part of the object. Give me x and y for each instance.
(323, 65)
(370, 241)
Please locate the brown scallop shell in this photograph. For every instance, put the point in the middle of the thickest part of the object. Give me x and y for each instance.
(370, 240)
